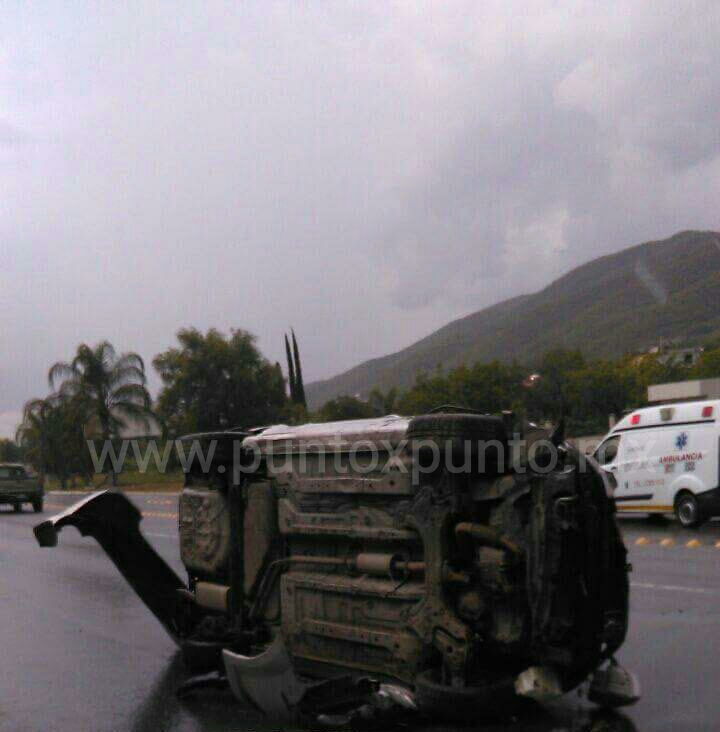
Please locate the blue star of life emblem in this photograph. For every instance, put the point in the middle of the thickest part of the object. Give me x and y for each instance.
(681, 440)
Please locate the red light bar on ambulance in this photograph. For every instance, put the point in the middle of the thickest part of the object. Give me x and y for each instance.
(635, 419)
(707, 412)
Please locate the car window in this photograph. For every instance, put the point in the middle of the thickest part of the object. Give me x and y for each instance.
(607, 452)
(12, 472)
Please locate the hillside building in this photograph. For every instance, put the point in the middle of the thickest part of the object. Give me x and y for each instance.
(684, 391)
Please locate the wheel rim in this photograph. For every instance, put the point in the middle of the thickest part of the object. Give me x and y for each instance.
(687, 511)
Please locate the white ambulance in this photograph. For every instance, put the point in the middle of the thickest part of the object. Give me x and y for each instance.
(666, 459)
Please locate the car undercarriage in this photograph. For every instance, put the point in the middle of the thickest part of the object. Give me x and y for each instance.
(448, 563)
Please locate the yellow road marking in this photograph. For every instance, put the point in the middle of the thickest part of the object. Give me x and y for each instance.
(717, 544)
(161, 514)
(693, 544)
(667, 542)
(642, 541)
(152, 514)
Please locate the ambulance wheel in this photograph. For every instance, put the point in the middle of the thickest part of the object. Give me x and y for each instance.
(687, 510)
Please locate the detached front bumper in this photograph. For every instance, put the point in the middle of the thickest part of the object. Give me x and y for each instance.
(114, 522)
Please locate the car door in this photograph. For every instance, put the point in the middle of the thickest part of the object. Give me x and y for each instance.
(638, 471)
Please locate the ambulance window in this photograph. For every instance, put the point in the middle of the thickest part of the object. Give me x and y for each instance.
(607, 452)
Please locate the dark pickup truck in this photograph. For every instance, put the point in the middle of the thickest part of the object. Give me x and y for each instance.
(17, 486)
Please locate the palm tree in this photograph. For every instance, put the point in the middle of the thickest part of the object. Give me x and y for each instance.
(35, 433)
(51, 437)
(110, 388)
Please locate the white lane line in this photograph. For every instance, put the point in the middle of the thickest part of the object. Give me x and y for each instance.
(155, 535)
(675, 588)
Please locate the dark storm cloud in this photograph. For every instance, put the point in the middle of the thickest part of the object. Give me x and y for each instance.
(606, 138)
(364, 172)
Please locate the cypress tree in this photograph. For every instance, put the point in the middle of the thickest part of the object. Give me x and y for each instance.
(291, 371)
(299, 386)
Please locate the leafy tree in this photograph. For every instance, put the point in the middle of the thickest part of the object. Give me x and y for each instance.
(211, 382)
(383, 403)
(107, 389)
(428, 392)
(648, 370)
(344, 407)
(600, 389)
(550, 397)
(490, 388)
(708, 365)
(10, 451)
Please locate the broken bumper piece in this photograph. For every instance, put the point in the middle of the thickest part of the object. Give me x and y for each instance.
(268, 683)
(114, 522)
(614, 686)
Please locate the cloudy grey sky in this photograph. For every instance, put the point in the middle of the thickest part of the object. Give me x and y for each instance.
(362, 171)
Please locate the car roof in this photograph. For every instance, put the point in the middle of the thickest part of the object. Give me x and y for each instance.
(391, 427)
(667, 415)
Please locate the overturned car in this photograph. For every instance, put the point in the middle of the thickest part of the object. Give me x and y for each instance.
(448, 562)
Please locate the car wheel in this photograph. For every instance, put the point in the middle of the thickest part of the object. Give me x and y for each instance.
(459, 432)
(17, 507)
(687, 510)
(38, 506)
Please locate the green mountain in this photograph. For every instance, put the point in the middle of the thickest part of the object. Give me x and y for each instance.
(626, 302)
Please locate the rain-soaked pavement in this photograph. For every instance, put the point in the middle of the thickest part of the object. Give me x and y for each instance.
(80, 652)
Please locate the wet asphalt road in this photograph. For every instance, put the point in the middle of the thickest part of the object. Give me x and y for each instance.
(80, 652)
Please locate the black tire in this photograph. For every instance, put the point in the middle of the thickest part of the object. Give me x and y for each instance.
(462, 435)
(688, 511)
(17, 507)
(38, 505)
(464, 704)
